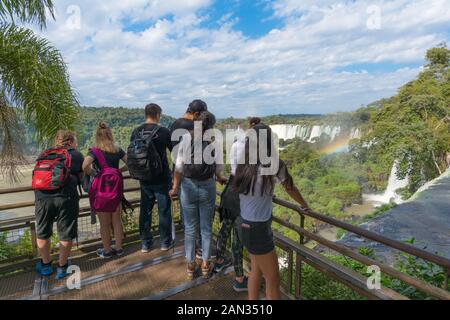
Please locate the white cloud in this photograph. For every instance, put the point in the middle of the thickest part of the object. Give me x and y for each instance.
(172, 59)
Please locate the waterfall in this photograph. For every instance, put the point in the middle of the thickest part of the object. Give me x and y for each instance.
(393, 185)
(355, 133)
(291, 131)
(310, 133)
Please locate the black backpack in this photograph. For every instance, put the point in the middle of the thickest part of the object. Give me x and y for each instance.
(144, 162)
(201, 171)
(229, 207)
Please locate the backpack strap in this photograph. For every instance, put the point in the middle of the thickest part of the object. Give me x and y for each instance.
(100, 157)
(152, 133)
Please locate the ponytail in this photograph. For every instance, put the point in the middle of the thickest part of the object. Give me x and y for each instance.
(64, 138)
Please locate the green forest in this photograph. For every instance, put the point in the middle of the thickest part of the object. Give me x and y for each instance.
(411, 127)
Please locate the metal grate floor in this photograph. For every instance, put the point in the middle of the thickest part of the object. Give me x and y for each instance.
(133, 276)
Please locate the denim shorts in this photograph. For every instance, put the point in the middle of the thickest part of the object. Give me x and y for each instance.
(257, 237)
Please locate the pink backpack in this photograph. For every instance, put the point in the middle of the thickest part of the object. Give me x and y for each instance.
(106, 192)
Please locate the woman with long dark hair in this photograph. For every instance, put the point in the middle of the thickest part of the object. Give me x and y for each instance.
(255, 184)
(197, 181)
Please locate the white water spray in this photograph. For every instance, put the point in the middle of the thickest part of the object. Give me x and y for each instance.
(394, 184)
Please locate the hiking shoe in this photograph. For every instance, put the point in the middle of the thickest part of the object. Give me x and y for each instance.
(44, 270)
(61, 272)
(118, 252)
(167, 248)
(206, 270)
(103, 254)
(241, 286)
(191, 270)
(146, 248)
(220, 266)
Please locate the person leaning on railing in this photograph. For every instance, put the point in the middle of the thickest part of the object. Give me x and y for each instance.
(198, 184)
(229, 215)
(256, 192)
(60, 206)
(111, 154)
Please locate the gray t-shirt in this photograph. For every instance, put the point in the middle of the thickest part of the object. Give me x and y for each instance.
(257, 208)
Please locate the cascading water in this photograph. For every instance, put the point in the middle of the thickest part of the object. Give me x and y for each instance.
(310, 133)
(394, 184)
(355, 133)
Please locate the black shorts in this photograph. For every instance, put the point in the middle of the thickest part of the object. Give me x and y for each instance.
(257, 237)
(62, 210)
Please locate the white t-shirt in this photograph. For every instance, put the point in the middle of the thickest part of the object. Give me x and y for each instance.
(237, 151)
(256, 207)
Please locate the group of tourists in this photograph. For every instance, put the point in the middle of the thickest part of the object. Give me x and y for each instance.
(245, 208)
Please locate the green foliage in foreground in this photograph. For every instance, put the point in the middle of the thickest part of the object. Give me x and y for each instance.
(318, 286)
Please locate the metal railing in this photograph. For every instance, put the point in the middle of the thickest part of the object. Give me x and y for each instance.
(295, 251)
(440, 293)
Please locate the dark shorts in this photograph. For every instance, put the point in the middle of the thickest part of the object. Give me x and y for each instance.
(62, 210)
(257, 237)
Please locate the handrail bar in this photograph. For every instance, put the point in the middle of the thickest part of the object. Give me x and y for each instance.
(28, 188)
(27, 204)
(407, 248)
(340, 273)
(419, 284)
(30, 218)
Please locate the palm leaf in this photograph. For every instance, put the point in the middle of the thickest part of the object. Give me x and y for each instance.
(34, 80)
(27, 11)
(11, 138)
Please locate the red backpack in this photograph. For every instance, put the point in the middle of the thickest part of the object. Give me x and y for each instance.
(52, 170)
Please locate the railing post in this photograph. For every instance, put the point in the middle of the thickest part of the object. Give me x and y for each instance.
(302, 225)
(445, 285)
(298, 263)
(290, 270)
(33, 239)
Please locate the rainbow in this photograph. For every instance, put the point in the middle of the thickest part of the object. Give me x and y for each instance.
(336, 146)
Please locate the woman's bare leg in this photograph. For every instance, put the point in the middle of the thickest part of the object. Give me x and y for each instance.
(254, 280)
(118, 227)
(105, 229)
(268, 264)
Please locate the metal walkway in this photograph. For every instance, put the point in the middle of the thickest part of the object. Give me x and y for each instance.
(152, 276)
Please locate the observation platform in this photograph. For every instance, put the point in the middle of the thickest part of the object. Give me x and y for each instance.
(161, 275)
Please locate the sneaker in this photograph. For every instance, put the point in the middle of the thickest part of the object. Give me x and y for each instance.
(191, 270)
(118, 252)
(103, 254)
(146, 248)
(220, 266)
(61, 272)
(206, 270)
(44, 270)
(241, 286)
(167, 248)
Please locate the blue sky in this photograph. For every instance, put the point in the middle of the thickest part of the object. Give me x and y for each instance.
(245, 57)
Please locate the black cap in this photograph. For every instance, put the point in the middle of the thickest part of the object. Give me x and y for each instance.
(197, 106)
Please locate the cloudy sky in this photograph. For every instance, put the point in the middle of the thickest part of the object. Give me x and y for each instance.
(245, 57)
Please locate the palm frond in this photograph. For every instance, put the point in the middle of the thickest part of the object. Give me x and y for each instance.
(27, 11)
(34, 80)
(11, 141)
